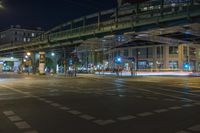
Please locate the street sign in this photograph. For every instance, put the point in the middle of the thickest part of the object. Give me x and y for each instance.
(131, 59)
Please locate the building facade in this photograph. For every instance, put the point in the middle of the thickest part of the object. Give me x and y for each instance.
(16, 35)
(155, 57)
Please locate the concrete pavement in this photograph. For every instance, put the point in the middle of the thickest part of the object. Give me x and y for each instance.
(34, 104)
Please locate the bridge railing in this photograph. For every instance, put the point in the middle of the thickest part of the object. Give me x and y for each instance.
(124, 22)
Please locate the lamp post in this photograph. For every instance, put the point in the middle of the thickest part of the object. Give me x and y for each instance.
(54, 58)
(27, 61)
(118, 61)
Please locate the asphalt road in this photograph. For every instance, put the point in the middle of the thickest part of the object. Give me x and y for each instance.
(98, 104)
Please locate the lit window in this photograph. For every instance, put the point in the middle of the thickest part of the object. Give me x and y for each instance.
(24, 39)
(33, 34)
(151, 7)
(126, 52)
(145, 8)
(28, 39)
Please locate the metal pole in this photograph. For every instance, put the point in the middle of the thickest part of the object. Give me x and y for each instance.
(75, 62)
(33, 64)
(65, 66)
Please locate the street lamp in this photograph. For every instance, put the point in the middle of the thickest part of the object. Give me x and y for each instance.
(27, 61)
(52, 54)
(118, 61)
(28, 53)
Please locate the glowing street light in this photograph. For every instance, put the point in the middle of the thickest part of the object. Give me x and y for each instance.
(187, 66)
(52, 54)
(28, 53)
(118, 60)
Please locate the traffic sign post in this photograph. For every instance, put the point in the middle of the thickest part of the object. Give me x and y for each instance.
(132, 59)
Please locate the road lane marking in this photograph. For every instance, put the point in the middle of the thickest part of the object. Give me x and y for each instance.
(87, 117)
(35, 96)
(74, 112)
(31, 132)
(128, 117)
(15, 118)
(158, 93)
(175, 107)
(9, 113)
(48, 101)
(64, 108)
(169, 99)
(197, 103)
(18, 121)
(13, 89)
(187, 105)
(182, 92)
(104, 122)
(195, 128)
(161, 110)
(55, 104)
(182, 132)
(139, 96)
(145, 114)
(22, 125)
(7, 93)
(152, 98)
(41, 99)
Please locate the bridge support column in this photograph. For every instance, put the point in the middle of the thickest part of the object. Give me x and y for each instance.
(180, 56)
(33, 62)
(154, 57)
(42, 63)
(65, 62)
(166, 56)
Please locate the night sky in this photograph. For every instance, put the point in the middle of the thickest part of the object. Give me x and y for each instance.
(48, 13)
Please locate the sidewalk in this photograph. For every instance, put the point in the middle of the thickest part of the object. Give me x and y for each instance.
(107, 75)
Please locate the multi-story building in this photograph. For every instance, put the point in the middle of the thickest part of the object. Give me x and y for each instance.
(16, 35)
(13, 36)
(152, 56)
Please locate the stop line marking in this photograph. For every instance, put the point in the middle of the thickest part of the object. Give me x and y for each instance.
(19, 122)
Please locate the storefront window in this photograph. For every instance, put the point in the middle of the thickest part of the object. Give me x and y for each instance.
(142, 53)
(159, 51)
(192, 51)
(126, 52)
(150, 52)
(173, 64)
(173, 50)
(133, 52)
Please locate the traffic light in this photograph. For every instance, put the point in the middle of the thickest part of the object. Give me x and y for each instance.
(118, 60)
(186, 66)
